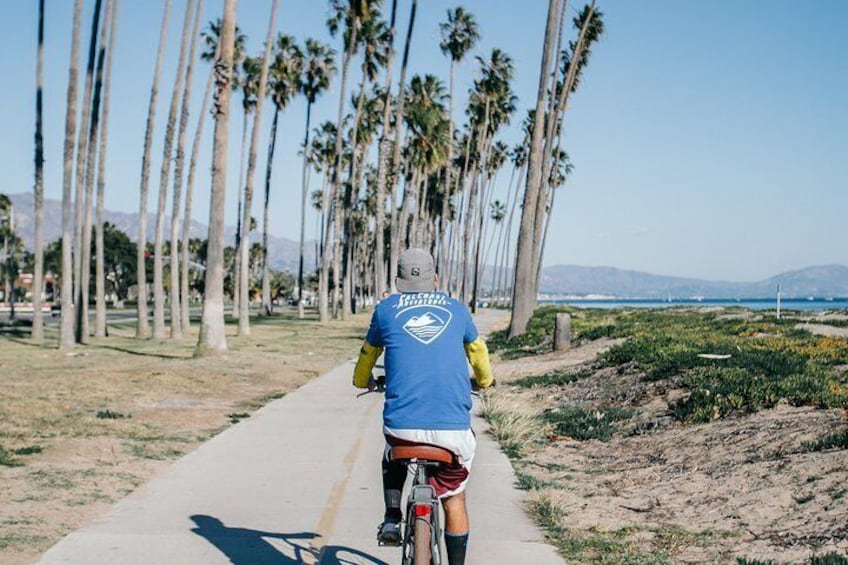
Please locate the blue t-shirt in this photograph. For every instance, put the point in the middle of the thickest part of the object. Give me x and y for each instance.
(427, 383)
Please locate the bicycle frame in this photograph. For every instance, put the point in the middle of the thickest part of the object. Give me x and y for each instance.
(422, 504)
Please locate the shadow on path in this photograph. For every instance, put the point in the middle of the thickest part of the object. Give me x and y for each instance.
(244, 546)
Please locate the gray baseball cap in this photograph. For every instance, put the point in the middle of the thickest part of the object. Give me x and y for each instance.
(416, 269)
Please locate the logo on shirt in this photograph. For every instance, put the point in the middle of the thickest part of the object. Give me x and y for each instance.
(428, 326)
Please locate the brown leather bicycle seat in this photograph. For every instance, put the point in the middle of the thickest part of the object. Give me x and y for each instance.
(422, 452)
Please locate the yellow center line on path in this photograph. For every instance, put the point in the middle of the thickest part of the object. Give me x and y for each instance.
(327, 522)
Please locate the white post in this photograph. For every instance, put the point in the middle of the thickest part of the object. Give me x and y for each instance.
(778, 301)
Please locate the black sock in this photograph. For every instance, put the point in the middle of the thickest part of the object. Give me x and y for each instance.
(456, 545)
(394, 475)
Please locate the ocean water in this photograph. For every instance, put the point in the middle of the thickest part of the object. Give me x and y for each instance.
(805, 304)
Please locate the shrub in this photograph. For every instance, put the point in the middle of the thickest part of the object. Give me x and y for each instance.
(838, 440)
(583, 424)
(554, 378)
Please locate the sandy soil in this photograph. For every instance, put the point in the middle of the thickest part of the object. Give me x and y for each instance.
(163, 403)
(704, 493)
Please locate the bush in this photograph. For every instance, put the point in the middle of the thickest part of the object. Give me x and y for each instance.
(584, 424)
(554, 378)
(717, 392)
(838, 440)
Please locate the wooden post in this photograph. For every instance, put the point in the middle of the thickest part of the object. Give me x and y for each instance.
(562, 332)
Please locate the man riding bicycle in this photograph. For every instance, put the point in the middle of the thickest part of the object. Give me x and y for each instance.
(427, 337)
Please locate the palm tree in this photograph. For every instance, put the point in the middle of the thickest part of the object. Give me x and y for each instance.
(38, 188)
(91, 160)
(491, 104)
(66, 333)
(497, 213)
(177, 328)
(351, 14)
(142, 329)
(210, 54)
(244, 301)
(248, 82)
(100, 277)
(84, 136)
(590, 24)
(167, 147)
(7, 265)
(560, 169)
(395, 169)
(383, 166)
(459, 34)
(373, 37)
(519, 161)
(523, 287)
(284, 84)
(213, 338)
(318, 68)
(428, 146)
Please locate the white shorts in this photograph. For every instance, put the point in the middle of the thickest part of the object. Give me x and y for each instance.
(462, 443)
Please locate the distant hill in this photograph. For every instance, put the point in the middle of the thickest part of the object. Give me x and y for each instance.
(820, 281)
(284, 253)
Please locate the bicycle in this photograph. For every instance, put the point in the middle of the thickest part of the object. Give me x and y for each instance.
(422, 532)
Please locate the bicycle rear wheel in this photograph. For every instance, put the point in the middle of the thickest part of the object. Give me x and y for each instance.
(423, 539)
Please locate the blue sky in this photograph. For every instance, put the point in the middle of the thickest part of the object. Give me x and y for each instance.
(709, 139)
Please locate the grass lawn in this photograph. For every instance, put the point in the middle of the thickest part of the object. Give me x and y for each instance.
(80, 429)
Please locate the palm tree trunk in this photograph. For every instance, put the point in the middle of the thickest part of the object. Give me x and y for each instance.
(523, 287)
(240, 195)
(395, 171)
(303, 196)
(142, 329)
(481, 216)
(38, 188)
(443, 255)
(508, 239)
(213, 338)
(382, 168)
(557, 114)
(79, 191)
(158, 279)
(66, 332)
(471, 220)
(90, 168)
(323, 314)
(266, 271)
(185, 320)
(459, 221)
(498, 248)
(244, 286)
(100, 277)
(176, 308)
(351, 189)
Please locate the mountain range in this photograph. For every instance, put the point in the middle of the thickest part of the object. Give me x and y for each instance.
(284, 253)
(820, 281)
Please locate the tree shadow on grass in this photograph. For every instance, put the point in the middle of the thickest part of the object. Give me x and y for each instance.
(144, 353)
(243, 546)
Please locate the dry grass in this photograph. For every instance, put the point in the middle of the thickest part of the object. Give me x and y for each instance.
(512, 423)
(81, 429)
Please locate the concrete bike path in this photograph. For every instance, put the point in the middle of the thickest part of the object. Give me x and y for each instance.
(299, 482)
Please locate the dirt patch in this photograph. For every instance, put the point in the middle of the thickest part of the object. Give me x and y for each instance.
(509, 370)
(82, 429)
(824, 329)
(660, 491)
